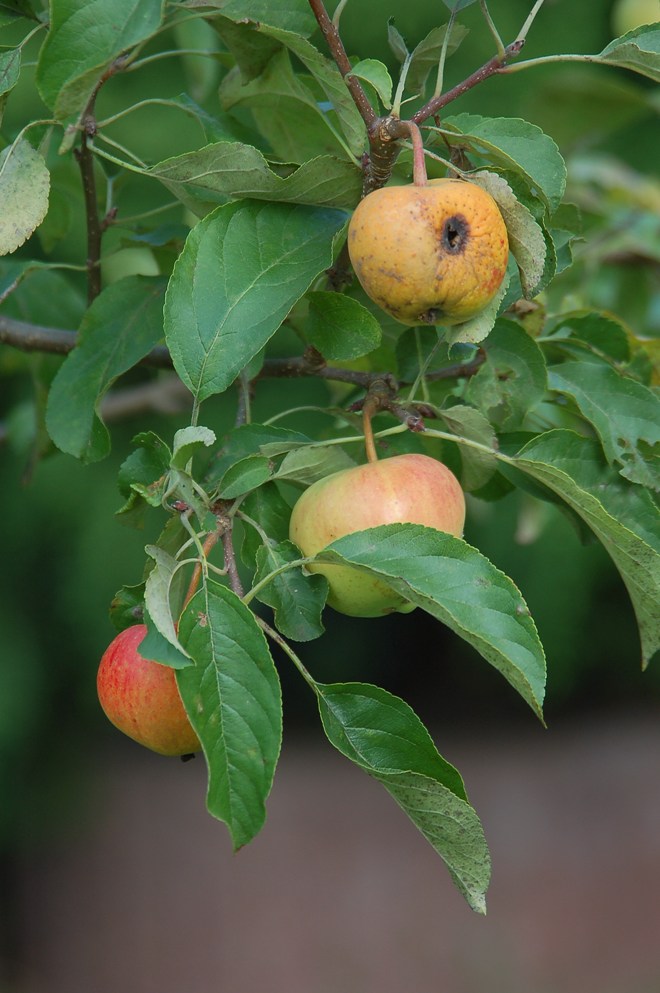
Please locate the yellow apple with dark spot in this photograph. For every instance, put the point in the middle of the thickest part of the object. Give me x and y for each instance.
(411, 488)
(431, 253)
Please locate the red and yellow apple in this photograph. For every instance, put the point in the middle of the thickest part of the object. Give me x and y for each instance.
(411, 488)
(141, 697)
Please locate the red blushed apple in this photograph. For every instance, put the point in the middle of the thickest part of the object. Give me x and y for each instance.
(141, 697)
(414, 489)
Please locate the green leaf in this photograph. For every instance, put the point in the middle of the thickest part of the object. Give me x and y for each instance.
(243, 476)
(478, 465)
(384, 736)
(242, 269)
(187, 442)
(375, 73)
(625, 414)
(459, 586)
(426, 55)
(292, 15)
(340, 327)
(127, 607)
(513, 144)
(623, 516)
(207, 176)
(270, 510)
(638, 50)
(122, 326)
(457, 5)
(233, 699)
(602, 334)
(251, 439)
(83, 41)
(306, 465)
(24, 186)
(512, 380)
(155, 647)
(526, 239)
(10, 67)
(286, 110)
(157, 600)
(144, 474)
(331, 82)
(297, 599)
(477, 328)
(397, 42)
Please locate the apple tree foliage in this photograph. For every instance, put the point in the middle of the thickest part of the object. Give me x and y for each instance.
(250, 282)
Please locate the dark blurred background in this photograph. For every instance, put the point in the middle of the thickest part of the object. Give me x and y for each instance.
(113, 877)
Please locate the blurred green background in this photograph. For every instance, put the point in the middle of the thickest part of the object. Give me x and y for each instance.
(65, 554)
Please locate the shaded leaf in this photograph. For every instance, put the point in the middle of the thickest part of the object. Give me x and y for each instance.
(478, 465)
(122, 326)
(157, 602)
(340, 327)
(397, 42)
(426, 55)
(233, 699)
(10, 67)
(271, 511)
(144, 473)
(296, 599)
(623, 516)
(512, 380)
(625, 414)
(292, 15)
(245, 475)
(252, 439)
(602, 334)
(331, 82)
(286, 110)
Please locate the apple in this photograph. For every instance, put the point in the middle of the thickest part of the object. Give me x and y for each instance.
(141, 697)
(630, 14)
(434, 252)
(411, 488)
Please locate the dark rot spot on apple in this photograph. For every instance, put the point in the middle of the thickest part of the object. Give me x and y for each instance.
(454, 234)
(431, 316)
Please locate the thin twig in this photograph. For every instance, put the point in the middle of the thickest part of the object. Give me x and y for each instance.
(57, 341)
(489, 68)
(230, 563)
(342, 61)
(85, 159)
(94, 230)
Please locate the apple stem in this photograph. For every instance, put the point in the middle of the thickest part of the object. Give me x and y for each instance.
(419, 163)
(369, 444)
(211, 540)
